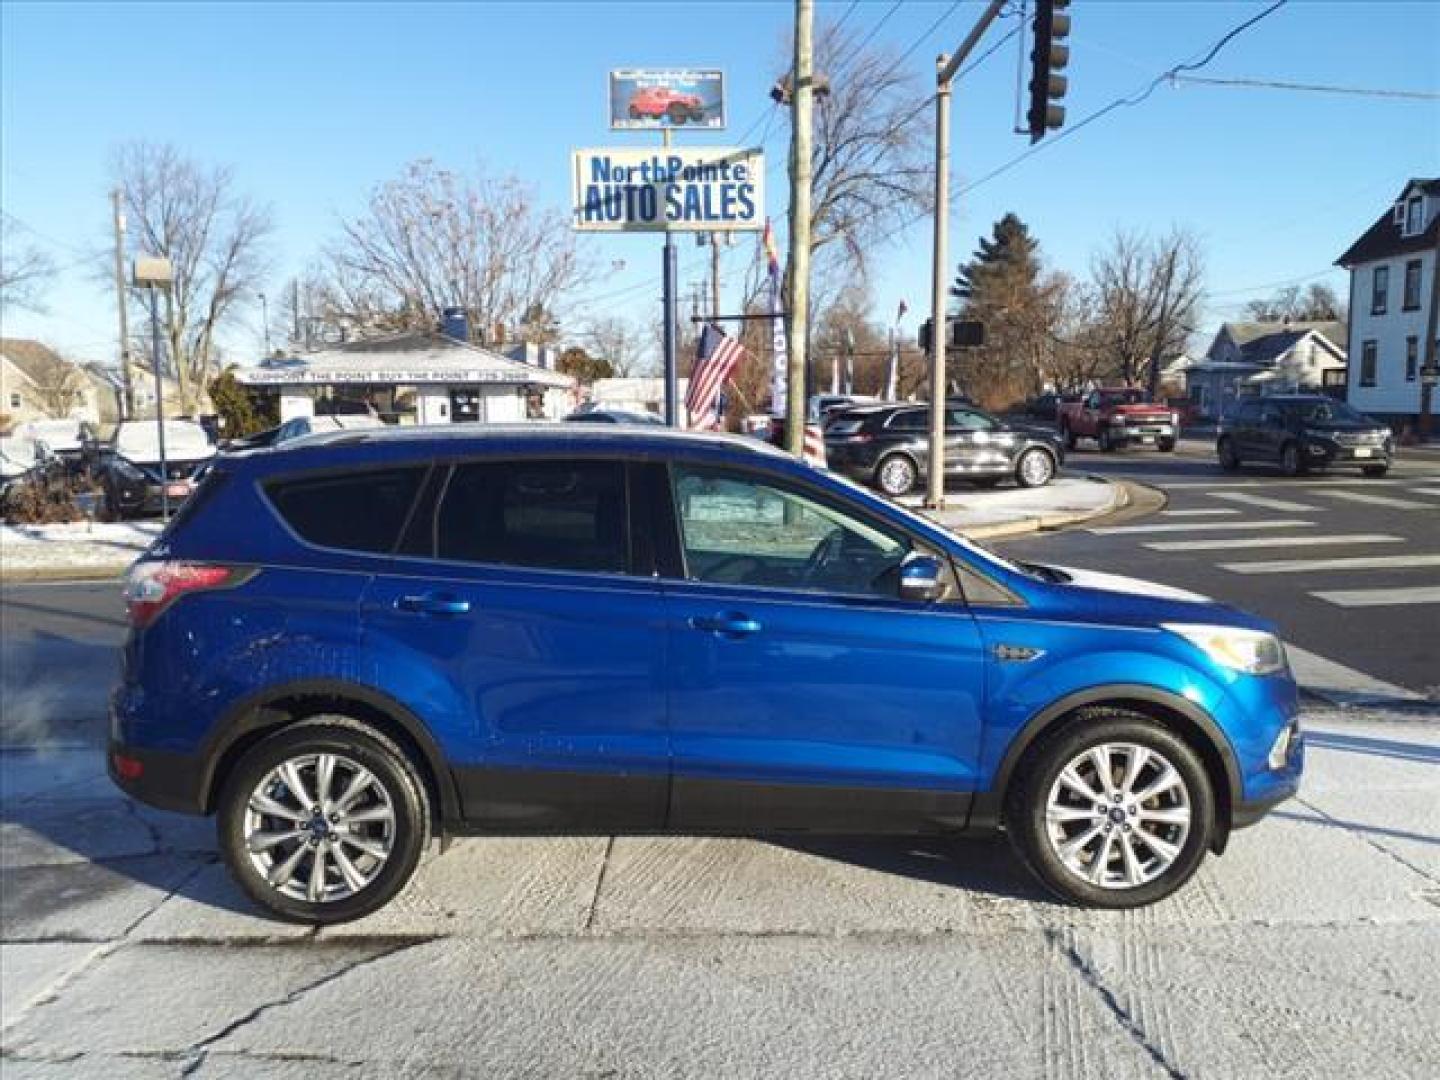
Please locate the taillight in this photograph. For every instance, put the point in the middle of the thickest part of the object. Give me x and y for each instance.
(151, 587)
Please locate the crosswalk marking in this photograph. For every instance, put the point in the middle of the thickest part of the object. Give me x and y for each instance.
(1196, 526)
(1314, 483)
(1234, 542)
(1216, 512)
(1380, 500)
(1262, 501)
(1402, 597)
(1301, 566)
(1340, 684)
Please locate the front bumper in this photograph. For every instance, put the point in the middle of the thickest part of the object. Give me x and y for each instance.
(1326, 453)
(1142, 433)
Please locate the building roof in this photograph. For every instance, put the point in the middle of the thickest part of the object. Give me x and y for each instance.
(35, 359)
(1263, 343)
(409, 359)
(1383, 240)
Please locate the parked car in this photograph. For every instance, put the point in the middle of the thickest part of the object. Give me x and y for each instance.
(613, 416)
(347, 645)
(64, 439)
(1301, 432)
(23, 460)
(1042, 407)
(889, 446)
(821, 407)
(1116, 418)
(300, 426)
(653, 102)
(129, 469)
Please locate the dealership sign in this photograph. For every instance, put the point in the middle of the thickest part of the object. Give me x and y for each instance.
(696, 189)
(665, 98)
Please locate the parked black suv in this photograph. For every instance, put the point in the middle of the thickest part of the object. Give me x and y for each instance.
(1301, 432)
(889, 446)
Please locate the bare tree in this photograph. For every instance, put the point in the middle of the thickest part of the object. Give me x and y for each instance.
(25, 270)
(619, 341)
(433, 239)
(215, 239)
(1317, 303)
(1148, 294)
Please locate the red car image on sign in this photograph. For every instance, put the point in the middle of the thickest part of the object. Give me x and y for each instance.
(653, 102)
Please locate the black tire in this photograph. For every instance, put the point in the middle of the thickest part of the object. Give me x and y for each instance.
(1028, 462)
(363, 745)
(1292, 462)
(896, 475)
(1105, 441)
(1375, 470)
(1229, 459)
(1026, 808)
(678, 114)
(634, 113)
(1069, 436)
(1166, 446)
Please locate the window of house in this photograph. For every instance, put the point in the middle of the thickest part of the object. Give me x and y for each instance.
(1412, 357)
(15, 401)
(1369, 358)
(1379, 290)
(1412, 285)
(1413, 216)
(550, 515)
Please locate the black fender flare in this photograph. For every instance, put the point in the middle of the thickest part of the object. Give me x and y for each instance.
(254, 713)
(986, 811)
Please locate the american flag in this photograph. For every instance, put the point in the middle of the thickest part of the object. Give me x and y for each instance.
(715, 361)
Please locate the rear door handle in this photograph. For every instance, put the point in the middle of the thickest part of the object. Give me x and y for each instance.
(433, 605)
(729, 624)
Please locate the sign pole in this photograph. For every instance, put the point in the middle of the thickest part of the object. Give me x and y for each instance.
(668, 302)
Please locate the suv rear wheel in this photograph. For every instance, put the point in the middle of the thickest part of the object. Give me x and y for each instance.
(1035, 468)
(896, 475)
(323, 822)
(1113, 813)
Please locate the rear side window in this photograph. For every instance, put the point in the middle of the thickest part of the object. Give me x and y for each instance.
(355, 511)
(551, 515)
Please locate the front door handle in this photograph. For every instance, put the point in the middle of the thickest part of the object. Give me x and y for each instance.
(433, 605)
(729, 624)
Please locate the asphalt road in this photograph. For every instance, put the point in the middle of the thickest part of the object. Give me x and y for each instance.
(1348, 567)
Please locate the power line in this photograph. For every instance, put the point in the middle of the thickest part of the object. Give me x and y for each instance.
(1272, 84)
(840, 59)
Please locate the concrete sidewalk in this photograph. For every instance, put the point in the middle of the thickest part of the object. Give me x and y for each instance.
(983, 515)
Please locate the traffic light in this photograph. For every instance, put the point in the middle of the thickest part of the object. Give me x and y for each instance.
(964, 334)
(1049, 56)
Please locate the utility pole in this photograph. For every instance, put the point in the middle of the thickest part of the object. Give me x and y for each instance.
(669, 337)
(947, 68)
(127, 410)
(715, 275)
(802, 100)
(1430, 370)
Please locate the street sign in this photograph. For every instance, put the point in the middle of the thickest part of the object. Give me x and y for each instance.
(1429, 376)
(689, 189)
(642, 98)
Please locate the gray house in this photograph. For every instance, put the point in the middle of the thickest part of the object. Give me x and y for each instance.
(1248, 359)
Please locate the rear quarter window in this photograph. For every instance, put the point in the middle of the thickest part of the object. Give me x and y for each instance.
(354, 511)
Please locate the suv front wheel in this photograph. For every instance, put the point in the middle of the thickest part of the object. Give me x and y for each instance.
(323, 822)
(1114, 813)
(896, 475)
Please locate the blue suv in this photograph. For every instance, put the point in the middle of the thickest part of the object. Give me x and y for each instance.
(361, 640)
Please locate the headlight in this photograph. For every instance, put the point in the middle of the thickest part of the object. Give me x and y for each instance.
(1250, 651)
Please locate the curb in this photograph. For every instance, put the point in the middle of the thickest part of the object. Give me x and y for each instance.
(1120, 500)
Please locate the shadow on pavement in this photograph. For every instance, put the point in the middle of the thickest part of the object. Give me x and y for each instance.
(1362, 744)
(974, 865)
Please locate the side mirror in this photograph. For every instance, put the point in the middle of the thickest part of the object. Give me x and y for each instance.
(921, 578)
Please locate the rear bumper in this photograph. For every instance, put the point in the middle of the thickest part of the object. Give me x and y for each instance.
(160, 778)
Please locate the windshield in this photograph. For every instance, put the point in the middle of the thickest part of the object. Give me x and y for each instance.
(1323, 412)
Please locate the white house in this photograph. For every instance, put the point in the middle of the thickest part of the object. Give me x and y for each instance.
(1392, 271)
(1251, 358)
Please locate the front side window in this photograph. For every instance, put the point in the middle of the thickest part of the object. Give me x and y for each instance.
(910, 420)
(1379, 290)
(549, 515)
(1412, 358)
(1369, 359)
(969, 420)
(1412, 285)
(355, 511)
(744, 530)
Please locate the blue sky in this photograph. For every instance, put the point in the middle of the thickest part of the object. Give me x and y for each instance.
(315, 104)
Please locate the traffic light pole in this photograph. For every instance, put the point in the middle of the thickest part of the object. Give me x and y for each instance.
(947, 67)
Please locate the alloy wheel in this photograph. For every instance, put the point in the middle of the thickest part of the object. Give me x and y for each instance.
(1036, 468)
(897, 476)
(1118, 815)
(319, 827)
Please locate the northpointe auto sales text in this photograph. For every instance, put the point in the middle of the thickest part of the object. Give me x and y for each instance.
(718, 192)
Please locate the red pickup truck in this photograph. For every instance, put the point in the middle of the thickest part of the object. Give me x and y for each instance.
(1115, 418)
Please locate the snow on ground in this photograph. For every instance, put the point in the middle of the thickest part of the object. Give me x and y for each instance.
(104, 547)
